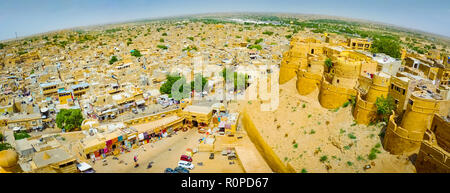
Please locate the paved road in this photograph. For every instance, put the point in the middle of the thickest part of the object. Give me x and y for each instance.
(158, 152)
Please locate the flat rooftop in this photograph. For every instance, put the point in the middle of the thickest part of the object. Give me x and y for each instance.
(51, 156)
(150, 126)
(198, 109)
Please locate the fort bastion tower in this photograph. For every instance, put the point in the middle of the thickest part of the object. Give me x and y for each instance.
(335, 91)
(407, 137)
(297, 57)
(365, 111)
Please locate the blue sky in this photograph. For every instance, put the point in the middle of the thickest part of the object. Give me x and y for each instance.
(27, 17)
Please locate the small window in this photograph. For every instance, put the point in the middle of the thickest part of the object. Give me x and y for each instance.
(392, 86)
(404, 90)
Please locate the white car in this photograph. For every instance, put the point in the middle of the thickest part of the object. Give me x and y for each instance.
(186, 164)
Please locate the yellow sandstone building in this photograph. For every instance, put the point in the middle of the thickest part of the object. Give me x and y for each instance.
(407, 136)
(434, 153)
(365, 111)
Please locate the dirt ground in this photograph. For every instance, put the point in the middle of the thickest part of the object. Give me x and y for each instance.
(315, 139)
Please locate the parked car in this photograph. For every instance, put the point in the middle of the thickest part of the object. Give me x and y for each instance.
(169, 170)
(185, 164)
(186, 158)
(83, 167)
(180, 169)
(211, 156)
(231, 156)
(134, 111)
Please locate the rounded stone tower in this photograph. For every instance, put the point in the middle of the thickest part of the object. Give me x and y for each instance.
(407, 137)
(341, 89)
(365, 110)
(309, 79)
(379, 87)
(8, 161)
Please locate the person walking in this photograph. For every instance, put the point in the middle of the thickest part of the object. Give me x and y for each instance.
(135, 161)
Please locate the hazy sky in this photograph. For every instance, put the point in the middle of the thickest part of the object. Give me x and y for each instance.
(27, 17)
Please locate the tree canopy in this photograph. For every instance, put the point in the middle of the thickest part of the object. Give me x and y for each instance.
(113, 59)
(69, 119)
(387, 46)
(240, 79)
(256, 46)
(328, 64)
(5, 146)
(163, 47)
(385, 106)
(21, 135)
(136, 53)
(166, 88)
(198, 78)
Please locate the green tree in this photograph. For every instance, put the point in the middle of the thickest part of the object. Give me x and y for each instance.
(385, 106)
(69, 119)
(5, 146)
(21, 135)
(268, 33)
(113, 59)
(166, 88)
(198, 78)
(2, 46)
(388, 46)
(256, 46)
(163, 47)
(259, 41)
(328, 64)
(136, 53)
(240, 80)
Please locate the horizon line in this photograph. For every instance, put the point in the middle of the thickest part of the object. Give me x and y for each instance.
(237, 12)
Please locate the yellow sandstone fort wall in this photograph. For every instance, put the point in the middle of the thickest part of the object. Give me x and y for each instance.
(332, 97)
(432, 158)
(398, 140)
(307, 82)
(416, 120)
(288, 67)
(365, 112)
(422, 109)
(264, 149)
(378, 88)
(297, 57)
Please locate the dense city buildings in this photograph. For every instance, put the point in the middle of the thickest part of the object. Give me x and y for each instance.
(117, 97)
